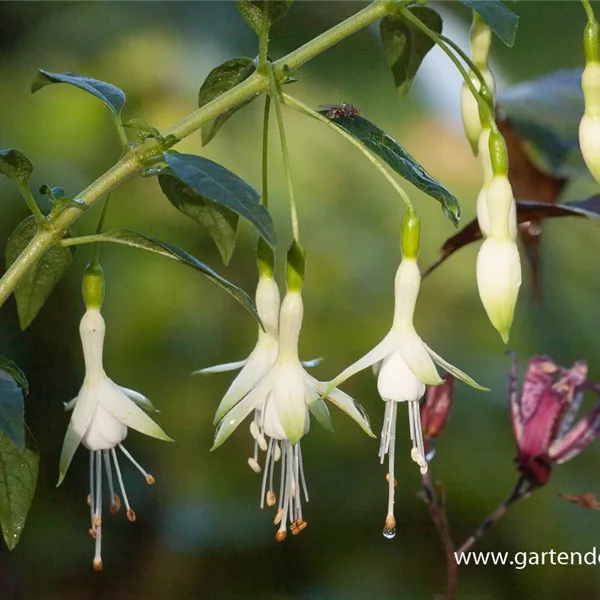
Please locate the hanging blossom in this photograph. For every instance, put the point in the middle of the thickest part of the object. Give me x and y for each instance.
(498, 261)
(102, 413)
(260, 359)
(543, 414)
(283, 400)
(404, 365)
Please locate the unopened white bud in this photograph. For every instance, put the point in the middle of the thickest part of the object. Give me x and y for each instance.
(500, 219)
(498, 280)
(470, 108)
(589, 128)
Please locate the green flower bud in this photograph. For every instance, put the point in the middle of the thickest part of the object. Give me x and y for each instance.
(590, 41)
(93, 286)
(265, 258)
(411, 235)
(296, 263)
(498, 153)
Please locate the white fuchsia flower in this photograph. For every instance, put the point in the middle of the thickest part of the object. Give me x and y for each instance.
(404, 365)
(589, 128)
(284, 398)
(256, 365)
(102, 413)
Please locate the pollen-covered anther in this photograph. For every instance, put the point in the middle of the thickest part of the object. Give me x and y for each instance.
(97, 565)
(276, 453)
(150, 479)
(278, 517)
(387, 478)
(297, 526)
(115, 505)
(281, 535)
(97, 520)
(93, 533)
(253, 463)
(417, 457)
(131, 515)
(89, 499)
(271, 498)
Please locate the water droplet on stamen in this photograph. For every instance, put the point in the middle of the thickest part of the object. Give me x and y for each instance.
(389, 533)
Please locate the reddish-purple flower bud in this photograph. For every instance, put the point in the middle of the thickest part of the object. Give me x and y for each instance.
(542, 415)
(435, 410)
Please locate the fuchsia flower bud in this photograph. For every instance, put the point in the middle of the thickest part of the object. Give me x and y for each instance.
(542, 416)
(436, 408)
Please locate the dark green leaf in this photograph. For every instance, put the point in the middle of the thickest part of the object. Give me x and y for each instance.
(389, 150)
(220, 80)
(12, 411)
(254, 15)
(214, 182)
(146, 242)
(112, 96)
(546, 112)
(219, 221)
(37, 284)
(15, 166)
(502, 21)
(18, 478)
(405, 45)
(526, 211)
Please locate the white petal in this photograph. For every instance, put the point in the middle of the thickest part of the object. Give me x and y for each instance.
(290, 323)
(259, 362)
(406, 290)
(344, 402)
(271, 421)
(232, 366)
(396, 381)
(317, 407)
(241, 410)
(70, 405)
(267, 305)
(104, 432)
(455, 371)
(415, 355)
(370, 358)
(85, 406)
(139, 399)
(289, 395)
(114, 401)
(91, 330)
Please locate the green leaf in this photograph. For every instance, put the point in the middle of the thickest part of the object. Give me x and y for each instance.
(501, 20)
(220, 80)
(112, 96)
(146, 242)
(389, 150)
(41, 278)
(141, 125)
(405, 45)
(219, 221)
(16, 167)
(214, 182)
(12, 411)
(254, 15)
(18, 478)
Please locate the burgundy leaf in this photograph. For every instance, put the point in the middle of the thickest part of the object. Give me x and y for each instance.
(586, 500)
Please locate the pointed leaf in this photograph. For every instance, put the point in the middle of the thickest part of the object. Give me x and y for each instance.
(405, 45)
(146, 242)
(12, 411)
(219, 221)
(41, 278)
(254, 12)
(502, 21)
(214, 182)
(112, 96)
(389, 150)
(18, 478)
(526, 211)
(220, 80)
(15, 166)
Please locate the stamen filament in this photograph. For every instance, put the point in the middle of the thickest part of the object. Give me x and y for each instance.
(130, 513)
(149, 479)
(114, 503)
(263, 488)
(301, 469)
(92, 496)
(98, 503)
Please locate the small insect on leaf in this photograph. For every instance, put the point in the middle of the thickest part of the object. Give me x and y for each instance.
(339, 111)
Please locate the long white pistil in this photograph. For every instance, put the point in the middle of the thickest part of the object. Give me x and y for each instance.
(97, 564)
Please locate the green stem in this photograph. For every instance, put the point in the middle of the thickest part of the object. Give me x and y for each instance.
(275, 95)
(265, 153)
(263, 39)
(120, 130)
(589, 11)
(84, 239)
(105, 204)
(474, 68)
(133, 161)
(484, 107)
(32, 204)
(301, 107)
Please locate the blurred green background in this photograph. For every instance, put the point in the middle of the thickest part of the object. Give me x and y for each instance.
(200, 533)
